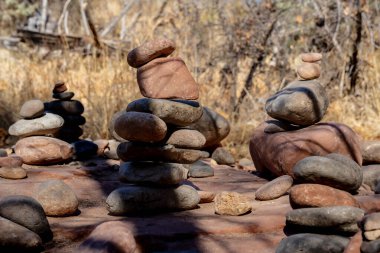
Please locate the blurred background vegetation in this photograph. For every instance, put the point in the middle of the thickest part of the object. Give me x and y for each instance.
(239, 51)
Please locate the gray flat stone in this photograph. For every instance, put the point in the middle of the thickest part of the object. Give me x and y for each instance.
(200, 169)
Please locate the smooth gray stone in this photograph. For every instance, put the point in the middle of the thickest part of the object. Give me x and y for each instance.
(138, 199)
(371, 152)
(73, 107)
(64, 95)
(370, 175)
(186, 138)
(223, 156)
(300, 102)
(200, 169)
(132, 151)
(47, 124)
(370, 247)
(338, 218)
(213, 126)
(328, 171)
(32, 109)
(275, 126)
(111, 127)
(27, 212)
(312, 243)
(153, 173)
(175, 112)
(16, 238)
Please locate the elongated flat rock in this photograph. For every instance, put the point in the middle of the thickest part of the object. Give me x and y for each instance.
(139, 199)
(72, 107)
(152, 173)
(275, 188)
(175, 112)
(131, 151)
(186, 138)
(140, 126)
(47, 124)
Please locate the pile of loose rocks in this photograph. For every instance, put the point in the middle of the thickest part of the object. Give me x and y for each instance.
(158, 133)
(318, 164)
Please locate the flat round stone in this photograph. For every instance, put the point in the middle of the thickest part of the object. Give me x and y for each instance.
(175, 112)
(59, 87)
(32, 109)
(64, 95)
(275, 188)
(311, 57)
(69, 107)
(138, 199)
(12, 173)
(200, 169)
(186, 138)
(222, 156)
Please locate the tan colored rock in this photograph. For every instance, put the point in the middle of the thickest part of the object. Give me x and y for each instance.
(40, 150)
(11, 161)
(12, 173)
(57, 198)
(308, 71)
(275, 188)
(111, 236)
(279, 152)
(102, 146)
(167, 78)
(149, 51)
(371, 222)
(372, 235)
(371, 152)
(311, 57)
(186, 138)
(206, 196)
(232, 203)
(316, 195)
(32, 109)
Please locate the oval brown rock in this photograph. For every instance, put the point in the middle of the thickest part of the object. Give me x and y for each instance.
(275, 188)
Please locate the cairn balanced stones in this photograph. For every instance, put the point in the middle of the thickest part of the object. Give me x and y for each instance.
(70, 110)
(158, 141)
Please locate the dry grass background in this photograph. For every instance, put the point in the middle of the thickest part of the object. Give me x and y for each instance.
(215, 38)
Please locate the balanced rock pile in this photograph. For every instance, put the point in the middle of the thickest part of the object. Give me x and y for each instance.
(70, 110)
(34, 147)
(158, 133)
(323, 159)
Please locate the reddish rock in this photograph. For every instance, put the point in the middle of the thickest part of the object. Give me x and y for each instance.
(43, 150)
(316, 195)
(232, 203)
(12, 173)
(167, 78)
(309, 71)
(206, 196)
(59, 87)
(109, 237)
(149, 51)
(11, 161)
(369, 204)
(311, 57)
(275, 188)
(354, 244)
(279, 152)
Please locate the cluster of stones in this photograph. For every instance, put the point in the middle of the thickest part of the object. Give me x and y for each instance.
(158, 133)
(323, 160)
(70, 110)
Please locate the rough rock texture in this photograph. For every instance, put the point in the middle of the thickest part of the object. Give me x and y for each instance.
(316, 195)
(57, 198)
(279, 152)
(32, 109)
(150, 50)
(186, 138)
(26, 212)
(223, 156)
(140, 126)
(312, 243)
(43, 150)
(175, 112)
(206, 196)
(16, 238)
(152, 173)
(47, 124)
(370, 175)
(308, 71)
(311, 57)
(372, 235)
(327, 171)
(213, 126)
(138, 199)
(109, 237)
(370, 152)
(275, 188)
(300, 102)
(167, 78)
(12, 173)
(129, 151)
(232, 203)
(336, 218)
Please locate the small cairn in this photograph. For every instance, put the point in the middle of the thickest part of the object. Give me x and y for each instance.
(70, 110)
(158, 140)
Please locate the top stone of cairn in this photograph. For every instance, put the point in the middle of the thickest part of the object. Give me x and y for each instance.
(150, 50)
(311, 57)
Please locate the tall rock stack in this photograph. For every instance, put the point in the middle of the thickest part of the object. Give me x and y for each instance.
(70, 110)
(158, 142)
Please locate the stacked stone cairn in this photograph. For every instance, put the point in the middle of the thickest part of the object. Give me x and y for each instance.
(323, 160)
(159, 139)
